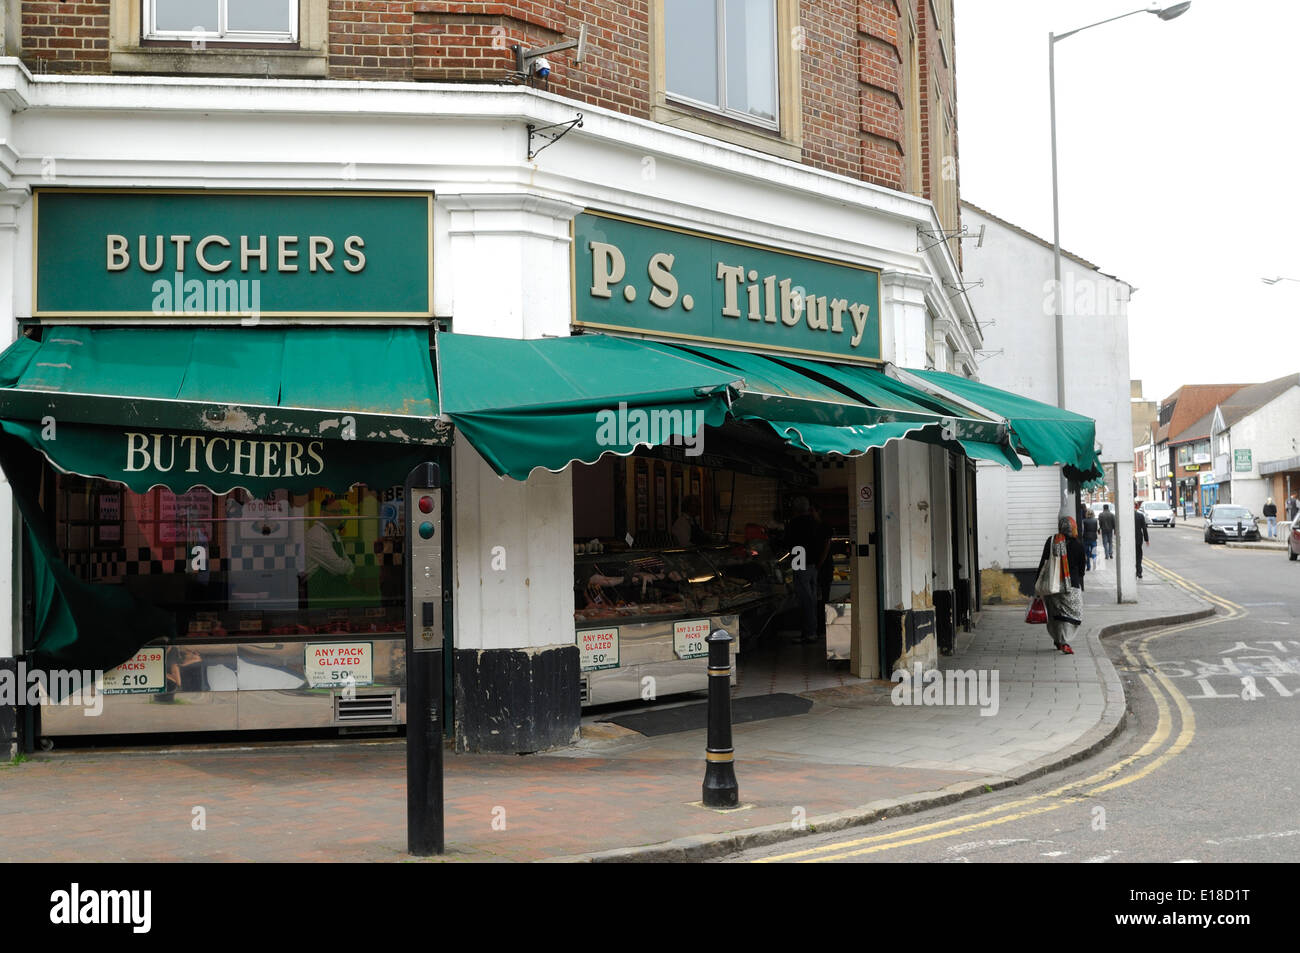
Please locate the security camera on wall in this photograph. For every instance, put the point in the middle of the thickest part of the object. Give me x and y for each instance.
(529, 63)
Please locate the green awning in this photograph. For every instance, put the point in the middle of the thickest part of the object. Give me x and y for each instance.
(546, 409)
(259, 408)
(547, 403)
(297, 382)
(1048, 435)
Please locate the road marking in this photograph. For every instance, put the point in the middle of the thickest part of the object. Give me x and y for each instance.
(1250, 837)
(1157, 686)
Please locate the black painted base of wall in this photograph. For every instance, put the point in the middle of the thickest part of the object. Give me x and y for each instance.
(9, 713)
(904, 630)
(945, 620)
(512, 701)
(963, 606)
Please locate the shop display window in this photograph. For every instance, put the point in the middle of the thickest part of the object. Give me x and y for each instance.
(238, 566)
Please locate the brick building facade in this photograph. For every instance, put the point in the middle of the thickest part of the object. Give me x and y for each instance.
(875, 78)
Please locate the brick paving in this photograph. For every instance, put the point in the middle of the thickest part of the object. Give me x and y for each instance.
(345, 801)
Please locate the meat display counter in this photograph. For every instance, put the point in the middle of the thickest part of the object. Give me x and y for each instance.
(642, 617)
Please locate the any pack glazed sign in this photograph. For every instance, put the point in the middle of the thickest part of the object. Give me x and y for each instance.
(674, 283)
(134, 253)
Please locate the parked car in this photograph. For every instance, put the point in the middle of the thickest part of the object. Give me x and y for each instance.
(1293, 540)
(1227, 521)
(1158, 513)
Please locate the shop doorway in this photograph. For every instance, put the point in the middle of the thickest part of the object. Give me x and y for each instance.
(667, 544)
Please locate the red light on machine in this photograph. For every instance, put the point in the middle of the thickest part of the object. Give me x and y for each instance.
(426, 504)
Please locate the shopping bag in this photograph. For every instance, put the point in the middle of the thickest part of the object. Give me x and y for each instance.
(1049, 576)
(1036, 614)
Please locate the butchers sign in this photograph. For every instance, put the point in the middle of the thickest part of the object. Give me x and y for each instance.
(339, 664)
(224, 253)
(598, 648)
(139, 675)
(675, 283)
(688, 638)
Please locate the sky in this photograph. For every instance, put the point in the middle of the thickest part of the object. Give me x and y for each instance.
(1178, 145)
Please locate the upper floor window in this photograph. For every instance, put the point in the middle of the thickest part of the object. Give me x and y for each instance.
(722, 55)
(224, 21)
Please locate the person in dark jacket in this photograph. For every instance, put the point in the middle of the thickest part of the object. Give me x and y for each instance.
(1065, 607)
(1090, 530)
(1270, 514)
(1107, 523)
(1139, 534)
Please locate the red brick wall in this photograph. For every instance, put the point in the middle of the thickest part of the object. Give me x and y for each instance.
(65, 37)
(850, 53)
(370, 40)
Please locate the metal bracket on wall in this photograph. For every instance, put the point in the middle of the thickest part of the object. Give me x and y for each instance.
(551, 138)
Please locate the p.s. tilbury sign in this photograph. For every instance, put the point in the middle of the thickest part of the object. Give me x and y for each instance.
(668, 282)
(133, 253)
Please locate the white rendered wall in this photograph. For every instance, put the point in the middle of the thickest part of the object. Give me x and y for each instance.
(1016, 295)
(1270, 433)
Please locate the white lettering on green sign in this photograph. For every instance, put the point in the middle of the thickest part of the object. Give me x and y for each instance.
(150, 253)
(238, 456)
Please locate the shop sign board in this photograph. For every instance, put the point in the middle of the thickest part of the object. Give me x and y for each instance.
(339, 664)
(1241, 461)
(142, 674)
(688, 638)
(598, 649)
(241, 255)
(677, 283)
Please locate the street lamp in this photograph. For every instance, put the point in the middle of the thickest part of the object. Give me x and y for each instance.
(1165, 13)
(1273, 281)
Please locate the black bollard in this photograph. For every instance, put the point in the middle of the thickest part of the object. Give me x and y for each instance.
(720, 788)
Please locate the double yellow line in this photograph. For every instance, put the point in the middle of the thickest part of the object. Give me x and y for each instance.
(1156, 751)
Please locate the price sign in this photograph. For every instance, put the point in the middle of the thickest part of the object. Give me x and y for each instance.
(339, 664)
(688, 638)
(139, 675)
(598, 649)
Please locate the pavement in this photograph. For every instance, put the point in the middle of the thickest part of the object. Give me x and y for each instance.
(855, 756)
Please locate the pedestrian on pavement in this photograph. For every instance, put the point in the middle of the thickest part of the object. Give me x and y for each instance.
(1107, 523)
(1139, 534)
(809, 543)
(1293, 507)
(1270, 514)
(1090, 530)
(1065, 607)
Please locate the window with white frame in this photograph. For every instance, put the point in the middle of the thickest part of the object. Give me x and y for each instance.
(223, 21)
(721, 55)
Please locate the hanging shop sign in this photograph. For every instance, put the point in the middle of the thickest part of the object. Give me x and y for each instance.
(134, 253)
(598, 649)
(674, 283)
(1241, 461)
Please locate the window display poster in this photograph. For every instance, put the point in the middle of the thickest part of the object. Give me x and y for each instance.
(339, 664)
(166, 517)
(108, 512)
(338, 507)
(139, 675)
(598, 649)
(688, 638)
(391, 512)
(263, 519)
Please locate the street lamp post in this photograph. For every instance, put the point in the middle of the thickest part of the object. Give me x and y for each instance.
(1166, 13)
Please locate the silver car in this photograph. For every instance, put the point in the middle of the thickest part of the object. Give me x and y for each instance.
(1158, 513)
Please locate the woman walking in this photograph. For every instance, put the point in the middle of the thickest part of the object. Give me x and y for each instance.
(1065, 604)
